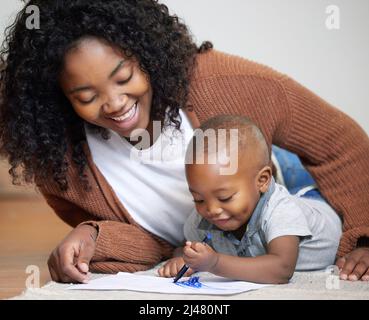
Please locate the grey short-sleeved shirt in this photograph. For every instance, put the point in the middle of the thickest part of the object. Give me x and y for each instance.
(279, 213)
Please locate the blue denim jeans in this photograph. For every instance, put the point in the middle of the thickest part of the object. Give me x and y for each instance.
(295, 176)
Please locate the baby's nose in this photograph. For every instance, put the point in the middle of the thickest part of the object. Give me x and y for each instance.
(214, 210)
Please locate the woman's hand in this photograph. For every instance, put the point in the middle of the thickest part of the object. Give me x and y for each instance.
(355, 265)
(69, 262)
(199, 256)
(172, 267)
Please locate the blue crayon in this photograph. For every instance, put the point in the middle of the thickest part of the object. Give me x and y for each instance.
(185, 267)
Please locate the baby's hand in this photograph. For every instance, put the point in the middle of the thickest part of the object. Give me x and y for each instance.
(199, 256)
(172, 266)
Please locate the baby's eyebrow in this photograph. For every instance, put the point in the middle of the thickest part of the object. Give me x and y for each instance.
(221, 189)
(116, 69)
(217, 190)
(192, 191)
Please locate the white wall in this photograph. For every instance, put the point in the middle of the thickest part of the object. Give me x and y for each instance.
(8, 10)
(289, 35)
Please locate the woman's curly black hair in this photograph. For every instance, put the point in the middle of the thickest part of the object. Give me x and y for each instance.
(37, 122)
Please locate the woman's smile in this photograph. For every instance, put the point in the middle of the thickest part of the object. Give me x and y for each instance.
(107, 88)
(128, 119)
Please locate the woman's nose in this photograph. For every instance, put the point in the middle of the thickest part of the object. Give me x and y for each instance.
(114, 103)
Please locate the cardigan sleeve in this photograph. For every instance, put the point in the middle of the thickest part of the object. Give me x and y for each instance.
(335, 150)
(129, 246)
(67, 211)
(120, 246)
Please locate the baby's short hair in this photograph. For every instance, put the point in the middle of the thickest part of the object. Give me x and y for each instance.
(250, 137)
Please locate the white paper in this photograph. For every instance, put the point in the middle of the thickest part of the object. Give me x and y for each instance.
(212, 285)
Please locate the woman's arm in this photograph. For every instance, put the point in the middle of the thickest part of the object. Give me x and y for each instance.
(335, 149)
(69, 212)
(115, 240)
(128, 243)
(332, 146)
(276, 267)
(118, 246)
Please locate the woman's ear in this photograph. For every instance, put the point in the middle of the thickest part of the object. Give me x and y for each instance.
(263, 179)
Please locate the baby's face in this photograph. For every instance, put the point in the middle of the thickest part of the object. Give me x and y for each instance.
(226, 201)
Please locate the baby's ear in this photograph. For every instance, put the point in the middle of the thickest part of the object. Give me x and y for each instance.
(264, 178)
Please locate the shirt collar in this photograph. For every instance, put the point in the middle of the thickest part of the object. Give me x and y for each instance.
(253, 224)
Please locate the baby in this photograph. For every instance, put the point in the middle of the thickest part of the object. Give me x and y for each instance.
(259, 232)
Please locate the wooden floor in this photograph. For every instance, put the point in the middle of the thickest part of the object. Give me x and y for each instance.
(29, 231)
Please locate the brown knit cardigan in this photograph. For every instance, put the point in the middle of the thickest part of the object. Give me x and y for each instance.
(331, 145)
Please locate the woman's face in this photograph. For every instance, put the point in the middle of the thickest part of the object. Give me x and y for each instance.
(106, 88)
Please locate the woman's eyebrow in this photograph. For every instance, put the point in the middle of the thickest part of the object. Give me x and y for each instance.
(82, 88)
(79, 89)
(120, 64)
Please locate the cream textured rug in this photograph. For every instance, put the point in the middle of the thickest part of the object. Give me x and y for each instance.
(319, 285)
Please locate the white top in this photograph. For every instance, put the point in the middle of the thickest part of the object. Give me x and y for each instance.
(151, 183)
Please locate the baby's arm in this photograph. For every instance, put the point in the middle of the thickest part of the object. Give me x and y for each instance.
(277, 266)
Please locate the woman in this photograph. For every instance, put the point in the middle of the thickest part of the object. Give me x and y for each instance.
(79, 93)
